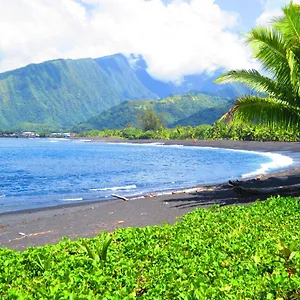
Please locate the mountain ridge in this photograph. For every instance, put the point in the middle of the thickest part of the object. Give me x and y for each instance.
(61, 93)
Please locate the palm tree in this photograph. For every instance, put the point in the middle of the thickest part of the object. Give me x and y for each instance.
(277, 48)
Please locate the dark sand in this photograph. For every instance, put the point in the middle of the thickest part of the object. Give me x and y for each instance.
(20, 230)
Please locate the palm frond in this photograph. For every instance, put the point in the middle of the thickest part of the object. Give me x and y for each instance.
(278, 50)
(262, 84)
(289, 24)
(270, 49)
(294, 64)
(267, 111)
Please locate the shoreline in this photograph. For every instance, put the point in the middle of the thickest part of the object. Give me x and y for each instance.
(34, 227)
(264, 147)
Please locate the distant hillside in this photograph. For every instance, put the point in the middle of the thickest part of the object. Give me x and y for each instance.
(176, 110)
(62, 93)
(59, 94)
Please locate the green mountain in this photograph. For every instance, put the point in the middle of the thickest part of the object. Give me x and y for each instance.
(61, 93)
(175, 110)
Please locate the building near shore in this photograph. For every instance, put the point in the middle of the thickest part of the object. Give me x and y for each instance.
(29, 134)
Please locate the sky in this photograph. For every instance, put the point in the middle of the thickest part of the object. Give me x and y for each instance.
(175, 37)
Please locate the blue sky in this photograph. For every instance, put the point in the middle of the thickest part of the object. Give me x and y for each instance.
(249, 10)
(175, 37)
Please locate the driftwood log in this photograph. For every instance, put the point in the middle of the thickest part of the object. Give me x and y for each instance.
(284, 190)
(120, 197)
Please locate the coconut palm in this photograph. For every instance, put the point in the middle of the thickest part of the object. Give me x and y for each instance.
(277, 48)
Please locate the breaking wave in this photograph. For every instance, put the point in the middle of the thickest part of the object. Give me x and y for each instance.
(278, 161)
(116, 188)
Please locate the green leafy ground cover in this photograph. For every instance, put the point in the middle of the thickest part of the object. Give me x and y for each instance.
(236, 252)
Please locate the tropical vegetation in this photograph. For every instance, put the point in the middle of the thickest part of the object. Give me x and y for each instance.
(218, 131)
(192, 109)
(277, 49)
(234, 252)
(149, 120)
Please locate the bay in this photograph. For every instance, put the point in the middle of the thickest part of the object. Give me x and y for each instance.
(39, 173)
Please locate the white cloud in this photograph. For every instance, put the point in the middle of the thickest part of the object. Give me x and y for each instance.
(175, 39)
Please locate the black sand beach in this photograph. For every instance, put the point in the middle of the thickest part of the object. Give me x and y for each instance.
(20, 230)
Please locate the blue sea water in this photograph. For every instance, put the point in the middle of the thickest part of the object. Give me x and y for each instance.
(38, 173)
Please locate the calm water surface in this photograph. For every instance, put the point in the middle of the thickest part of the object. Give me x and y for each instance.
(44, 172)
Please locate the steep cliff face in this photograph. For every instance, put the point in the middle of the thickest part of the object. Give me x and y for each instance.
(62, 93)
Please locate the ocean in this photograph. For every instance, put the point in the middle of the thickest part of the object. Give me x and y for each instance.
(36, 173)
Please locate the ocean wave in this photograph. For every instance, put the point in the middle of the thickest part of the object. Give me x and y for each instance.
(175, 146)
(116, 188)
(139, 144)
(82, 141)
(279, 161)
(71, 199)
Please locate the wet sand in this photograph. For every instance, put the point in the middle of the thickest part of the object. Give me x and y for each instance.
(20, 230)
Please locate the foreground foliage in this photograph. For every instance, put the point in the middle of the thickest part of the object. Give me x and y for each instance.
(236, 252)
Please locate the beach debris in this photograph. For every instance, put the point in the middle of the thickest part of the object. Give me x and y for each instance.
(120, 197)
(189, 191)
(243, 182)
(286, 189)
(1, 226)
(207, 189)
(149, 196)
(120, 222)
(177, 192)
(198, 190)
(234, 183)
(24, 235)
(111, 213)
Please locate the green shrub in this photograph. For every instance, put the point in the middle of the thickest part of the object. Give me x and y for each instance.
(234, 252)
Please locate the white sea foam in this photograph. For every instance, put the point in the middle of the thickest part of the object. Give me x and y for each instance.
(279, 161)
(56, 140)
(72, 199)
(116, 188)
(2, 196)
(156, 144)
(139, 144)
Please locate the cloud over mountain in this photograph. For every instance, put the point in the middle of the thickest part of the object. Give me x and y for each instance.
(175, 38)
